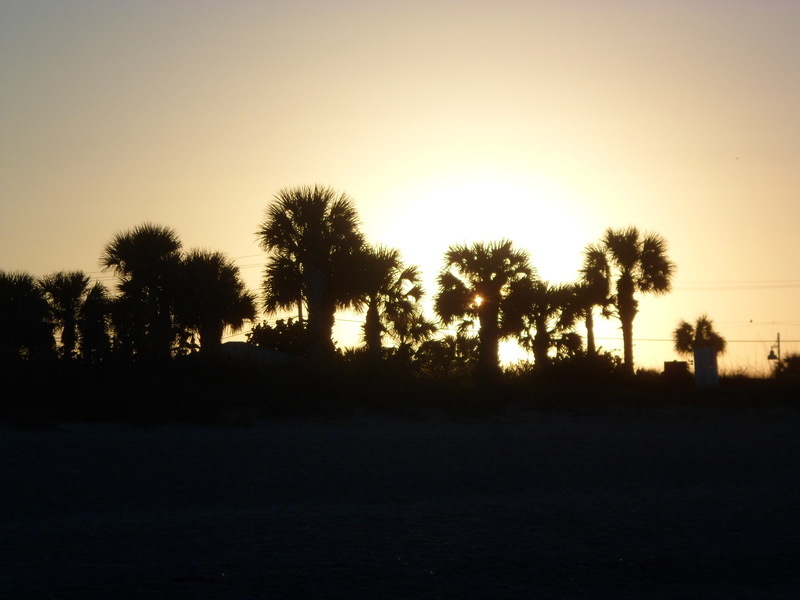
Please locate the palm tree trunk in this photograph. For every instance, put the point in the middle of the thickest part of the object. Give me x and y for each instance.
(627, 309)
(627, 312)
(627, 343)
(211, 338)
(591, 350)
(541, 344)
(163, 333)
(372, 328)
(489, 338)
(326, 346)
(69, 337)
(318, 326)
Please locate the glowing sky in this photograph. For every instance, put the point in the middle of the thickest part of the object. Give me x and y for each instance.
(543, 122)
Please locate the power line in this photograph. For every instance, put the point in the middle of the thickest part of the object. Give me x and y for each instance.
(673, 341)
(725, 281)
(738, 288)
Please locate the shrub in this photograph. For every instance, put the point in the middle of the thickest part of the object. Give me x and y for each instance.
(788, 368)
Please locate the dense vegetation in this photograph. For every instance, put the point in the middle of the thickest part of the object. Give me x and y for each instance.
(153, 345)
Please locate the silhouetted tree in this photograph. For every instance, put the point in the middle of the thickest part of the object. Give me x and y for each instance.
(147, 261)
(392, 292)
(288, 336)
(640, 264)
(94, 323)
(212, 296)
(313, 236)
(477, 281)
(546, 313)
(788, 368)
(688, 337)
(568, 345)
(26, 330)
(410, 329)
(65, 293)
(448, 356)
(593, 289)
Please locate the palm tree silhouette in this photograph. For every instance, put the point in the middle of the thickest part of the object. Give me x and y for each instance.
(93, 323)
(65, 293)
(313, 236)
(212, 296)
(147, 260)
(593, 289)
(26, 330)
(410, 329)
(392, 292)
(543, 311)
(689, 337)
(641, 265)
(477, 281)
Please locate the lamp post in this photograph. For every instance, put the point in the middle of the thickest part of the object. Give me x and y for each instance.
(775, 346)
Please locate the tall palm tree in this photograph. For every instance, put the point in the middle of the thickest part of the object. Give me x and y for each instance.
(593, 289)
(26, 330)
(477, 281)
(147, 260)
(211, 297)
(689, 337)
(313, 236)
(65, 293)
(392, 292)
(641, 265)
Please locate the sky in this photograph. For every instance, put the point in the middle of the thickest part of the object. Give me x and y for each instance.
(447, 122)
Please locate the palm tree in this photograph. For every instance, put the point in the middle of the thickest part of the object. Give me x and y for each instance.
(641, 265)
(545, 311)
(593, 289)
(392, 292)
(410, 329)
(26, 329)
(212, 296)
(477, 281)
(93, 323)
(65, 293)
(147, 260)
(689, 337)
(313, 236)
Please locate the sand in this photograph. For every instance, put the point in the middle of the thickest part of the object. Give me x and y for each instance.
(682, 503)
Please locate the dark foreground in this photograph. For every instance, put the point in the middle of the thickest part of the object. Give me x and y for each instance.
(657, 503)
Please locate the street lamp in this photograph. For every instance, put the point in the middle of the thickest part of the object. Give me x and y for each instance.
(775, 346)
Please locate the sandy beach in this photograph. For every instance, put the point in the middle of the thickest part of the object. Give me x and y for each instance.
(658, 503)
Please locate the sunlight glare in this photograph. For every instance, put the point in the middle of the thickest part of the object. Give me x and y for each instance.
(465, 206)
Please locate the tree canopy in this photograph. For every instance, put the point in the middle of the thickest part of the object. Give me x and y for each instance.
(689, 337)
(318, 262)
(314, 241)
(639, 263)
(478, 281)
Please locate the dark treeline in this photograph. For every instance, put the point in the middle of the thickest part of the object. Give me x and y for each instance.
(166, 303)
(165, 320)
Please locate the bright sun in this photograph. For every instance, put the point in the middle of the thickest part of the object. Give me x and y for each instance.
(462, 206)
(423, 219)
